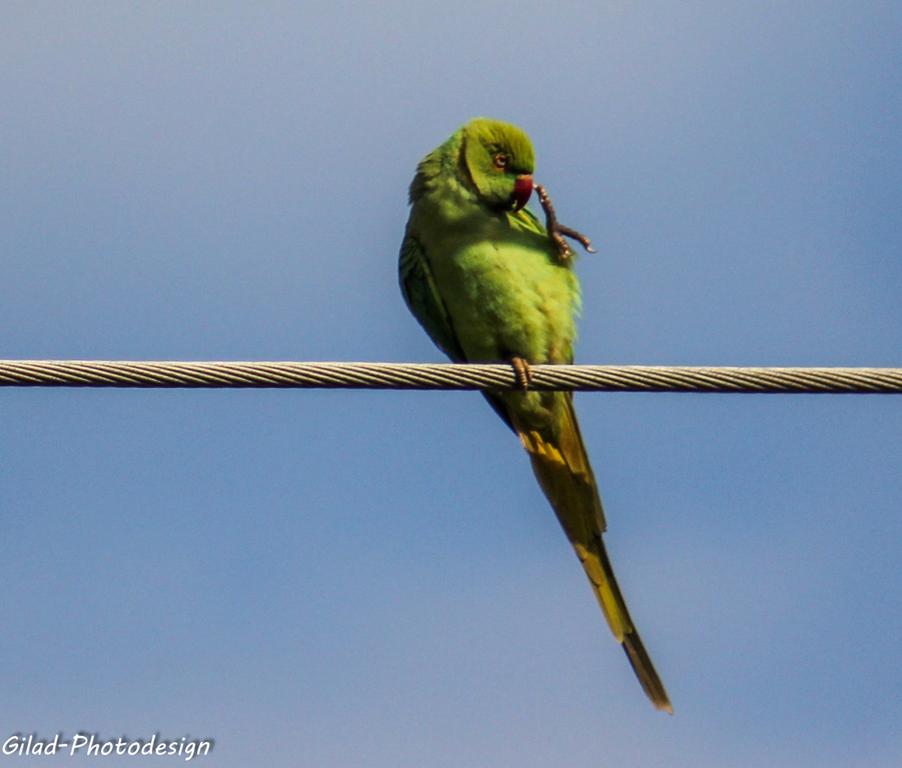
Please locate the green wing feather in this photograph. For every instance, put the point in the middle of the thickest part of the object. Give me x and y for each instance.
(423, 299)
(426, 304)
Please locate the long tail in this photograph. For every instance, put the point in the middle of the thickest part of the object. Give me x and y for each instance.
(562, 467)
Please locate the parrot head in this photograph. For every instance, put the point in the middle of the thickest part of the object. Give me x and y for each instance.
(500, 161)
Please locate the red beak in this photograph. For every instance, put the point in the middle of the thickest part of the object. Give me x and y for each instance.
(522, 191)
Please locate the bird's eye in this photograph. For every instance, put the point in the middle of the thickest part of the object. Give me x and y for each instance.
(501, 160)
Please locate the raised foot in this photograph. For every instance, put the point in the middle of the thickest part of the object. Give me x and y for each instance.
(522, 372)
(557, 231)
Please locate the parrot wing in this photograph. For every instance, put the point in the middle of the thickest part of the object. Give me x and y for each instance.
(425, 302)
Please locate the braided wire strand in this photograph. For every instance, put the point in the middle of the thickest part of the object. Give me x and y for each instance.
(471, 376)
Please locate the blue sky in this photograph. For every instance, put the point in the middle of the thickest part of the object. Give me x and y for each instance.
(373, 578)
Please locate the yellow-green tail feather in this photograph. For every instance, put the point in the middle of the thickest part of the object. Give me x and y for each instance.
(562, 468)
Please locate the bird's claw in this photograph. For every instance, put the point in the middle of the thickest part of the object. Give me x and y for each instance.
(584, 241)
(522, 372)
(557, 231)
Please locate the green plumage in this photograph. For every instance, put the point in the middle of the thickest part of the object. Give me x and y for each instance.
(487, 284)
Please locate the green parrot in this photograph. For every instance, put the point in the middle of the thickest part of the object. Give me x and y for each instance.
(489, 283)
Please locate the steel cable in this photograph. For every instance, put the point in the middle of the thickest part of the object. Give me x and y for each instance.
(472, 376)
